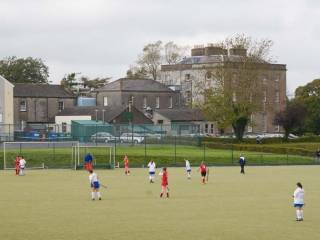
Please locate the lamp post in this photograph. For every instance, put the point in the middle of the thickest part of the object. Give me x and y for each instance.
(96, 115)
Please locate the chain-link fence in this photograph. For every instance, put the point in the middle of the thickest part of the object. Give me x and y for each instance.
(167, 145)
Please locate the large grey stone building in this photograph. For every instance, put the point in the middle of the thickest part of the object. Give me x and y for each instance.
(200, 68)
(39, 103)
(141, 93)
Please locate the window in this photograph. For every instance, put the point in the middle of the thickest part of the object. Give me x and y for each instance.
(144, 102)
(211, 128)
(60, 105)
(157, 102)
(206, 128)
(23, 106)
(188, 96)
(105, 101)
(160, 121)
(187, 76)
(234, 97)
(264, 80)
(170, 102)
(277, 128)
(277, 97)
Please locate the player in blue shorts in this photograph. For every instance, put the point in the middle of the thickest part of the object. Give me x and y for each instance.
(298, 201)
(95, 185)
(152, 171)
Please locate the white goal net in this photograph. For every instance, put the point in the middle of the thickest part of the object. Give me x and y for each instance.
(39, 155)
(103, 156)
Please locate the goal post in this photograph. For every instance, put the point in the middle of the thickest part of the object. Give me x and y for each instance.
(40, 155)
(103, 156)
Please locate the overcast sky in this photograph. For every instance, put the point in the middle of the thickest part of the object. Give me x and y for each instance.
(103, 37)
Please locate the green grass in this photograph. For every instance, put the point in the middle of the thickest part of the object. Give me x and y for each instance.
(163, 154)
(55, 204)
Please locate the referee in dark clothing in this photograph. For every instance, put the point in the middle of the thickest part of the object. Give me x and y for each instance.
(242, 162)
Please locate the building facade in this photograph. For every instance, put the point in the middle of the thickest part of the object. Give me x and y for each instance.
(140, 93)
(199, 69)
(6, 109)
(39, 103)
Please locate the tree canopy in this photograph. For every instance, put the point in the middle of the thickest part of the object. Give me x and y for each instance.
(24, 70)
(153, 55)
(237, 92)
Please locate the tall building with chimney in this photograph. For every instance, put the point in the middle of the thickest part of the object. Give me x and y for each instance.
(200, 68)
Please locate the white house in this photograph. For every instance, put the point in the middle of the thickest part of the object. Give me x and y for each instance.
(6, 110)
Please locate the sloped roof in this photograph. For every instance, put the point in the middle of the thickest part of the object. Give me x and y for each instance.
(181, 115)
(40, 90)
(109, 115)
(135, 85)
(6, 81)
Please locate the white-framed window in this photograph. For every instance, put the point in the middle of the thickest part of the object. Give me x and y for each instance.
(105, 101)
(170, 102)
(264, 96)
(211, 128)
(145, 102)
(60, 106)
(277, 97)
(206, 126)
(157, 102)
(234, 97)
(23, 106)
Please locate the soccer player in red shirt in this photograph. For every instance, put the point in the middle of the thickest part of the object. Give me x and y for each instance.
(17, 164)
(164, 182)
(203, 171)
(126, 165)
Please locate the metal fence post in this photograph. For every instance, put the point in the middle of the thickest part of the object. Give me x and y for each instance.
(145, 149)
(204, 151)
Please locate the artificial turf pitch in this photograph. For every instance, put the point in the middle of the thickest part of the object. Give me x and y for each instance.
(56, 204)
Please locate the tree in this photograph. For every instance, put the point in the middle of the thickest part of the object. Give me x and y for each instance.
(95, 83)
(237, 92)
(75, 83)
(24, 70)
(69, 81)
(173, 53)
(292, 118)
(153, 55)
(309, 95)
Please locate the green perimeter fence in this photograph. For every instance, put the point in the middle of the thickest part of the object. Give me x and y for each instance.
(165, 151)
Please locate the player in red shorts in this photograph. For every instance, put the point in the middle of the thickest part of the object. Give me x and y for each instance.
(203, 171)
(17, 164)
(88, 162)
(164, 183)
(126, 165)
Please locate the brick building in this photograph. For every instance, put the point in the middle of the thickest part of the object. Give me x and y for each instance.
(201, 66)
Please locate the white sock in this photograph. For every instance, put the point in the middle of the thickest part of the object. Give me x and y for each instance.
(99, 195)
(92, 195)
(301, 213)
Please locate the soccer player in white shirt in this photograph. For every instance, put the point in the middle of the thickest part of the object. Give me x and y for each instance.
(22, 166)
(298, 201)
(152, 170)
(95, 185)
(188, 168)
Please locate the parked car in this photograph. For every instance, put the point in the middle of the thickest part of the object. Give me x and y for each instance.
(131, 137)
(103, 137)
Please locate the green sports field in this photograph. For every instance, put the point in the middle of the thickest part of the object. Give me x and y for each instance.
(55, 204)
